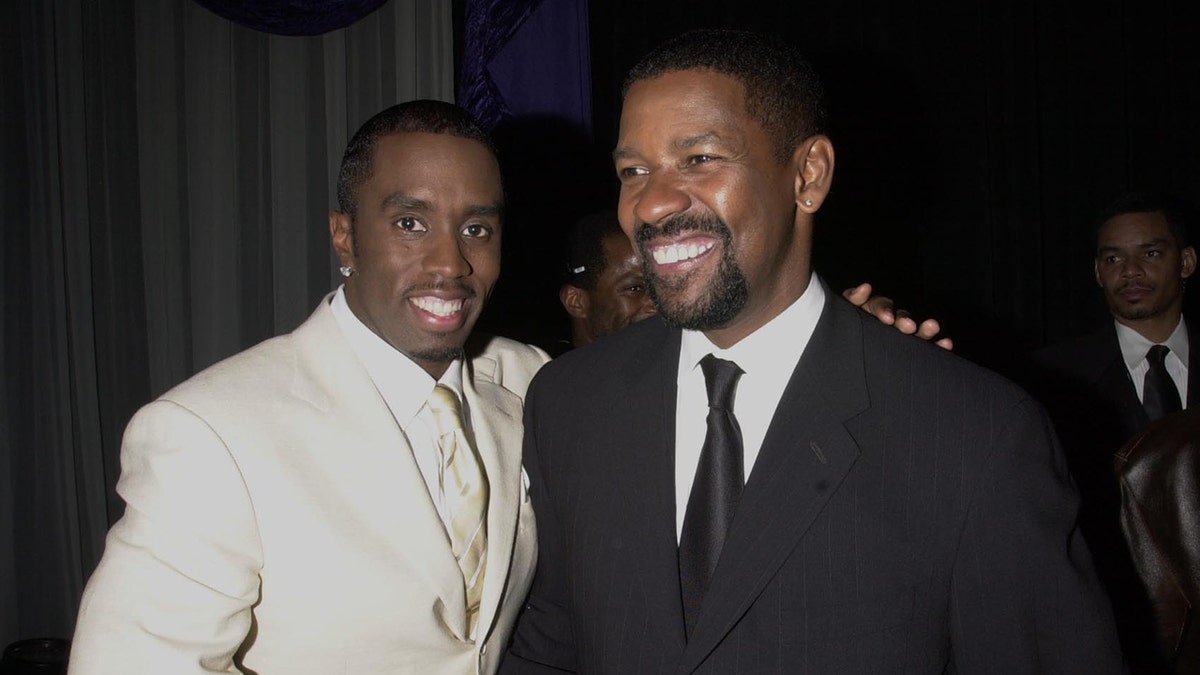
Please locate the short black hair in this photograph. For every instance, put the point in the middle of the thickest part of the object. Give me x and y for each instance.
(1177, 211)
(585, 248)
(783, 93)
(421, 116)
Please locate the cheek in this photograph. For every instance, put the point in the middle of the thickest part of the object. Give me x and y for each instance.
(485, 266)
(625, 217)
(745, 197)
(627, 308)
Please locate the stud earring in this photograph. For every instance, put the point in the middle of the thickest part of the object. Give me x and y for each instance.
(346, 270)
(808, 202)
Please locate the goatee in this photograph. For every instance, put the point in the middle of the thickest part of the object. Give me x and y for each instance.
(726, 294)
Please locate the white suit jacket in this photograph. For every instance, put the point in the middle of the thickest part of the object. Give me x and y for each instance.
(275, 512)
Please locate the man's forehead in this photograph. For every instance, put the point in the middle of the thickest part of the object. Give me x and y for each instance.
(1136, 229)
(421, 158)
(688, 110)
(694, 90)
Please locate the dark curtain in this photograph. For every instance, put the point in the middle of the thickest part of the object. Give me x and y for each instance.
(166, 179)
(975, 141)
(525, 74)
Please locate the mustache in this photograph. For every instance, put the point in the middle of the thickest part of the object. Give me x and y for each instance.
(1134, 284)
(453, 286)
(684, 223)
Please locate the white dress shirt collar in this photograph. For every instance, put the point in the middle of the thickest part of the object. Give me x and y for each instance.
(767, 357)
(1133, 351)
(404, 387)
(773, 350)
(400, 381)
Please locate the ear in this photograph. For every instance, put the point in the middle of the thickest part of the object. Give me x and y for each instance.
(1188, 263)
(813, 160)
(1096, 271)
(341, 234)
(574, 300)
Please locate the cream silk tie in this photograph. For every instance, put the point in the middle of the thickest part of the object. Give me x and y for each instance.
(465, 490)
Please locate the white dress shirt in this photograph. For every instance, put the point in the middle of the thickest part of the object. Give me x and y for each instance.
(1134, 348)
(404, 386)
(767, 358)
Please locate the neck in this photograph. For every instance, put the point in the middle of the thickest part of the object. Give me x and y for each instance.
(750, 319)
(1156, 328)
(580, 335)
(435, 368)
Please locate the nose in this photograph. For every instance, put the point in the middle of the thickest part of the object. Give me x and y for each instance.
(1131, 267)
(659, 198)
(445, 258)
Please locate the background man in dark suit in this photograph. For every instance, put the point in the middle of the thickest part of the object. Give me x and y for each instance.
(1100, 390)
(825, 495)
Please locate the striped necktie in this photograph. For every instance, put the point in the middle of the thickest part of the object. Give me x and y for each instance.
(465, 492)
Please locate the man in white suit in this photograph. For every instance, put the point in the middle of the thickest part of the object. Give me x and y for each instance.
(286, 511)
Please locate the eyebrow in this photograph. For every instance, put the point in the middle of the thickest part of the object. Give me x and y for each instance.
(698, 139)
(623, 153)
(398, 200)
(678, 145)
(485, 211)
(1145, 244)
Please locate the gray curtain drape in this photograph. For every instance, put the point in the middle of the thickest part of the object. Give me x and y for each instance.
(166, 178)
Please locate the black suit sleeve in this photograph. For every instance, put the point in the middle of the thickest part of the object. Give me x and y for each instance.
(542, 642)
(1022, 575)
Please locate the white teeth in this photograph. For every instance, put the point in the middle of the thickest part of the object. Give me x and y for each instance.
(679, 252)
(438, 306)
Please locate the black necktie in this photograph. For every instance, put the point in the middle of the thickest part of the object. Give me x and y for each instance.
(716, 489)
(1159, 395)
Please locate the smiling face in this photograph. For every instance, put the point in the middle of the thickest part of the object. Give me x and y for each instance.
(1141, 268)
(620, 296)
(424, 243)
(723, 226)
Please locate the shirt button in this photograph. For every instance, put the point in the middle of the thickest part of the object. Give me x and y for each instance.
(483, 650)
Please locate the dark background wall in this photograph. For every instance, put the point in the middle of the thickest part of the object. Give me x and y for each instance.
(975, 143)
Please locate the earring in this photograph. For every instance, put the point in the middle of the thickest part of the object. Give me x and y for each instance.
(808, 202)
(346, 270)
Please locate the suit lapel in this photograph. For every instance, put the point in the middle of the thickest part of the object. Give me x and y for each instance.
(806, 454)
(496, 425)
(651, 375)
(376, 464)
(1114, 380)
(1193, 387)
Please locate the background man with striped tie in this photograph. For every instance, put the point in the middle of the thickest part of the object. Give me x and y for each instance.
(761, 479)
(346, 498)
(1104, 387)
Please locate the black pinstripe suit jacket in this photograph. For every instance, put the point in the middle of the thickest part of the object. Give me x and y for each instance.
(909, 512)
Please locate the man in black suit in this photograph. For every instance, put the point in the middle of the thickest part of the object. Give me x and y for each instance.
(823, 496)
(1101, 388)
(1143, 261)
